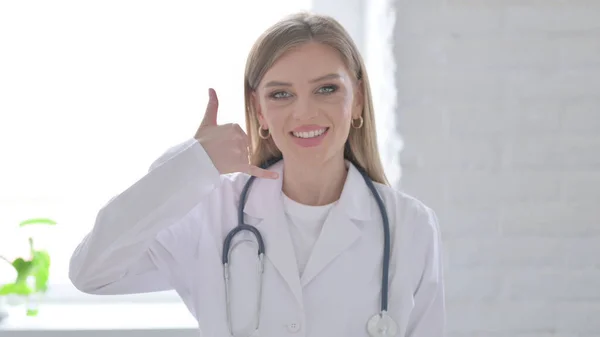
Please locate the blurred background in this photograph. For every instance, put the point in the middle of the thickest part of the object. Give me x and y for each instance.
(488, 111)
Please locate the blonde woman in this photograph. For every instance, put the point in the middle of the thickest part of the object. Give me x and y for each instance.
(287, 229)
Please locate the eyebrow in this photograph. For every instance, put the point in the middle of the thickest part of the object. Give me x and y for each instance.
(287, 84)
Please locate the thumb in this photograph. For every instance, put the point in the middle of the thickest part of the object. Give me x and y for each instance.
(210, 116)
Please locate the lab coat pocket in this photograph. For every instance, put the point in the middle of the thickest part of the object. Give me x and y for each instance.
(244, 282)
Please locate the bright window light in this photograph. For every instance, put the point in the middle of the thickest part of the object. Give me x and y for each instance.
(91, 93)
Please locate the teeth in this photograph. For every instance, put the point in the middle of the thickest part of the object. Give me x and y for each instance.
(309, 134)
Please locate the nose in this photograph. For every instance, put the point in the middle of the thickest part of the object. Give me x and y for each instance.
(305, 109)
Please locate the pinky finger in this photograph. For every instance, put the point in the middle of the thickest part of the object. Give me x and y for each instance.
(261, 173)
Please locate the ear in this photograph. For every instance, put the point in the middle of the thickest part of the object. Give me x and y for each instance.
(255, 101)
(359, 100)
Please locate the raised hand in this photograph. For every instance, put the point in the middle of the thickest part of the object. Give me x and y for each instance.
(227, 145)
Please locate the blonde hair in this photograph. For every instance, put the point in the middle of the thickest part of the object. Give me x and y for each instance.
(294, 30)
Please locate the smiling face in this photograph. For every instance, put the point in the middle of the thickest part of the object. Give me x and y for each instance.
(307, 101)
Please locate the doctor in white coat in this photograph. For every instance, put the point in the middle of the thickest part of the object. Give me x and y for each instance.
(308, 101)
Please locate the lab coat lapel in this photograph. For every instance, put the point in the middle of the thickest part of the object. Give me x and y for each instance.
(340, 230)
(338, 233)
(265, 203)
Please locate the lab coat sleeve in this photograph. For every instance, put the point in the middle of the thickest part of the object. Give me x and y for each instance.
(116, 256)
(428, 317)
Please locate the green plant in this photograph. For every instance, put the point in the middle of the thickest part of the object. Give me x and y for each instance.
(32, 272)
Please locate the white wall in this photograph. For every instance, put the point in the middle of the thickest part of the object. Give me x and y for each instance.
(499, 108)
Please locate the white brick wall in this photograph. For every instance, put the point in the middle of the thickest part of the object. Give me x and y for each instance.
(499, 109)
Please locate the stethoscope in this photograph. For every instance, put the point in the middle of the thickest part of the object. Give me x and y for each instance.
(379, 325)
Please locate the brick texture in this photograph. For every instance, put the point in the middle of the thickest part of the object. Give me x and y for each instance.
(499, 110)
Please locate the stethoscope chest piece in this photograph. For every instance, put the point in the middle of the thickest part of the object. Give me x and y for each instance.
(382, 325)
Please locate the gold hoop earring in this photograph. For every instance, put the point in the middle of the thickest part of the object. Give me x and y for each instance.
(260, 133)
(360, 122)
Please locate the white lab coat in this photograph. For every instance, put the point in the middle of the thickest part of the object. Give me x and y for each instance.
(166, 232)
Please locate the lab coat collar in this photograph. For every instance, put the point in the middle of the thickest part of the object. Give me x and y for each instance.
(354, 200)
(340, 230)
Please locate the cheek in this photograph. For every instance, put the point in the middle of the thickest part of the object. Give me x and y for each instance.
(339, 109)
(270, 111)
(342, 116)
(342, 102)
(275, 117)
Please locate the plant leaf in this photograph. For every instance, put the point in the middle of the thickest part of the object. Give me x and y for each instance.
(17, 288)
(23, 268)
(32, 276)
(38, 221)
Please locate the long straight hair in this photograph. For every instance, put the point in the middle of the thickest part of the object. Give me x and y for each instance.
(292, 31)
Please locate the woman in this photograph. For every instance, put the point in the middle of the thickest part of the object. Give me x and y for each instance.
(307, 101)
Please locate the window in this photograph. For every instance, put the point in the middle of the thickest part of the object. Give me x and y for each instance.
(92, 93)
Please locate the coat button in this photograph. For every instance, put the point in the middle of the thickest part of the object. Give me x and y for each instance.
(293, 327)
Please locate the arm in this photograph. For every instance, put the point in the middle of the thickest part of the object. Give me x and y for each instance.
(118, 255)
(428, 318)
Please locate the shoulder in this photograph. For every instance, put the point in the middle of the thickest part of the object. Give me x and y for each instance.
(233, 183)
(411, 217)
(222, 203)
(415, 233)
(219, 192)
(194, 154)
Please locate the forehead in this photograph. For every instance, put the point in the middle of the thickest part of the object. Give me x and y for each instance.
(306, 62)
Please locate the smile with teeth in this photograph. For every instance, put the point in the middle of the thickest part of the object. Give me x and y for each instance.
(309, 134)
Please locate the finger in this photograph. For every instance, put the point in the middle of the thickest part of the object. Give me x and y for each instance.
(210, 116)
(261, 173)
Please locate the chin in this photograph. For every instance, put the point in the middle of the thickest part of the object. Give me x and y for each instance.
(313, 156)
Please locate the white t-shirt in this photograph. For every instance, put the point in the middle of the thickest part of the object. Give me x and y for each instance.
(305, 224)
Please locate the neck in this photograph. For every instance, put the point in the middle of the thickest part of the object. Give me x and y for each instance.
(314, 185)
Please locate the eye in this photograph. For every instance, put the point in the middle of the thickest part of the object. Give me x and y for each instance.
(328, 89)
(280, 95)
